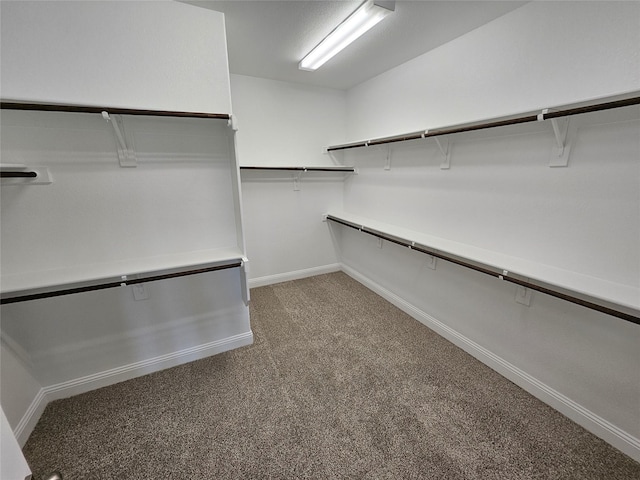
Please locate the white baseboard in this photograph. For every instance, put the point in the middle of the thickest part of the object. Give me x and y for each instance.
(120, 374)
(597, 425)
(295, 275)
(28, 421)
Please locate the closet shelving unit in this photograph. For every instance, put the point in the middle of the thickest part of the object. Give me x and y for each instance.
(31, 285)
(543, 115)
(618, 300)
(295, 172)
(337, 169)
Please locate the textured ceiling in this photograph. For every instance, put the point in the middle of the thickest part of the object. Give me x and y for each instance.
(268, 38)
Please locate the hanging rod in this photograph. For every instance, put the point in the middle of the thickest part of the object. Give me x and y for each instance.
(302, 169)
(18, 174)
(534, 117)
(119, 283)
(116, 111)
(487, 271)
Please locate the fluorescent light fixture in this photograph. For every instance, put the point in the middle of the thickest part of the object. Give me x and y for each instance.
(359, 22)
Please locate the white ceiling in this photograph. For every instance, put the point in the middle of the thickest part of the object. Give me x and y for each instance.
(267, 38)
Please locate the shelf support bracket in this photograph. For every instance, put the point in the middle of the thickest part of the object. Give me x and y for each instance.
(387, 165)
(126, 152)
(523, 295)
(564, 132)
(296, 181)
(445, 150)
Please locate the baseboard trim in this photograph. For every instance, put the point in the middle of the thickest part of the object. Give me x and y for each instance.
(120, 374)
(28, 421)
(595, 424)
(295, 275)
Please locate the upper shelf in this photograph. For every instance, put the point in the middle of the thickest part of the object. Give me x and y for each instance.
(301, 169)
(546, 278)
(545, 114)
(116, 111)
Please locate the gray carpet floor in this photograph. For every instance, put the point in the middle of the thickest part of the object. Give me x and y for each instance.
(338, 384)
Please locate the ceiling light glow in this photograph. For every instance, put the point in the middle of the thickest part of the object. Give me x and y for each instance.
(364, 18)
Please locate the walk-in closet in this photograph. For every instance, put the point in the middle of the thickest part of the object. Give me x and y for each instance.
(419, 259)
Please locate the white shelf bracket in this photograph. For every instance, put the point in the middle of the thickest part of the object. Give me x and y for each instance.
(387, 165)
(444, 149)
(446, 152)
(337, 157)
(564, 132)
(126, 152)
(523, 295)
(296, 181)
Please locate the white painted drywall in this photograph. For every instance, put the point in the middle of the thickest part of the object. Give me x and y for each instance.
(13, 465)
(282, 123)
(19, 385)
(158, 55)
(541, 55)
(500, 194)
(287, 124)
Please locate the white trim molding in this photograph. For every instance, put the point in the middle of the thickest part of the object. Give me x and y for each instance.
(295, 275)
(120, 374)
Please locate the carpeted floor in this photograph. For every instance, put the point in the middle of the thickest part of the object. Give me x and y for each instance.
(338, 384)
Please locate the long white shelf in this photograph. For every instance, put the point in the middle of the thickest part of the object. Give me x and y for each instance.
(511, 268)
(296, 168)
(104, 275)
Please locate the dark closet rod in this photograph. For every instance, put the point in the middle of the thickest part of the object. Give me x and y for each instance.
(18, 174)
(302, 169)
(534, 117)
(116, 111)
(119, 283)
(488, 271)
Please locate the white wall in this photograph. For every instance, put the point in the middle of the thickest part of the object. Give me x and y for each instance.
(19, 386)
(162, 55)
(541, 55)
(286, 124)
(500, 194)
(12, 461)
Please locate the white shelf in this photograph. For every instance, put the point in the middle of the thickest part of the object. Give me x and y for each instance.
(596, 288)
(82, 276)
(318, 168)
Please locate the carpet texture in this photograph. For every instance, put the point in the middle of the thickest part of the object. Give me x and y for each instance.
(338, 384)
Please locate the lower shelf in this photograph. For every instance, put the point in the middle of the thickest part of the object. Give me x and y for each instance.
(84, 278)
(596, 294)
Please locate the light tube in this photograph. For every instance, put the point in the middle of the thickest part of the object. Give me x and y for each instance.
(359, 22)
